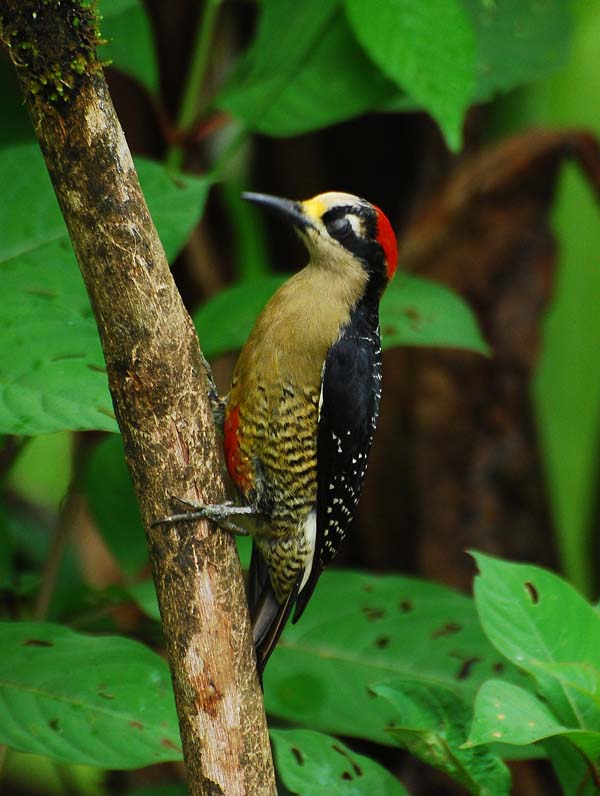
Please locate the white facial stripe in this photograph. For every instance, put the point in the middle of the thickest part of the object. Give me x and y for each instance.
(357, 224)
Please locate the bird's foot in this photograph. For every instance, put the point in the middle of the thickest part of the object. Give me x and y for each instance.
(221, 514)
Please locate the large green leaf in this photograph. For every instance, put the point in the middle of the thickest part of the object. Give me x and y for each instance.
(129, 41)
(429, 49)
(51, 364)
(432, 722)
(102, 701)
(359, 630)
(567, 388)
(311, 764)
(304, 71)
(176, 203)
(541, 623)
(29, 213)
(518, 41)
(413, 311)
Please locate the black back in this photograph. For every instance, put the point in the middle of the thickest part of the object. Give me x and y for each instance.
(351, 390)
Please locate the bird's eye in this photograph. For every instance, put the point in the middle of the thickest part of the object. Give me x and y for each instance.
(340, 228)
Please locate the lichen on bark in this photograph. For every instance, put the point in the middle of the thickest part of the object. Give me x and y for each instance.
(69, 29)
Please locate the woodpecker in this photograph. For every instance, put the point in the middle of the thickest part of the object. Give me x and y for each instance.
(299, 419)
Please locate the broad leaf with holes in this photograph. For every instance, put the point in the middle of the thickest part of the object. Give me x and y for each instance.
(105, 702)
(542, 624)
(51, 365)
(360, 630)
(432, 722)
(548, 629)
(506, 713)
(311, 764)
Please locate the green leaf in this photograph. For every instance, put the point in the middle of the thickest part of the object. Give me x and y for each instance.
(567, 384)
(51, 364)
(225, 321)
(429, 49)
(42, 473)
(144, 595)
(279, 87)
(130, 43)
(506, 713)
(112, 501)
(244, 549)
(52, 374)
(29, 213)
(415, 311)
(311, 764)
(572, 769)
(432, 722)
(30, 216)
(519, 41)
(537, 620)
(176, 203)
(358, 630)
(105, 701)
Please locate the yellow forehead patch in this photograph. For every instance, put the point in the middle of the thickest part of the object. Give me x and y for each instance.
(314, 208)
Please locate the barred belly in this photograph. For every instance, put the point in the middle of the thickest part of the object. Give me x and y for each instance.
(280, 444)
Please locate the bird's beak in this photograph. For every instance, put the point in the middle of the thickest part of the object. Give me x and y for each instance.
(286, 208)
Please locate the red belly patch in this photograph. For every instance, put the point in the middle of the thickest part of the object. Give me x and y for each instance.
(238, 469)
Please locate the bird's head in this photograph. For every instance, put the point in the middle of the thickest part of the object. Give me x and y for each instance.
(335, 226)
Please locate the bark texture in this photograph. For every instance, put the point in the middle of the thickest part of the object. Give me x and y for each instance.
(158, 385)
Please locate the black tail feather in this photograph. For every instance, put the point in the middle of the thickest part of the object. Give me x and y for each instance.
(268, 616)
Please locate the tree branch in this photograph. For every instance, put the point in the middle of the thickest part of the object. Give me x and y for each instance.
(158, 385)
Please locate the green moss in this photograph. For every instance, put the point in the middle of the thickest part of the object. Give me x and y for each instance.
(52, 44)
